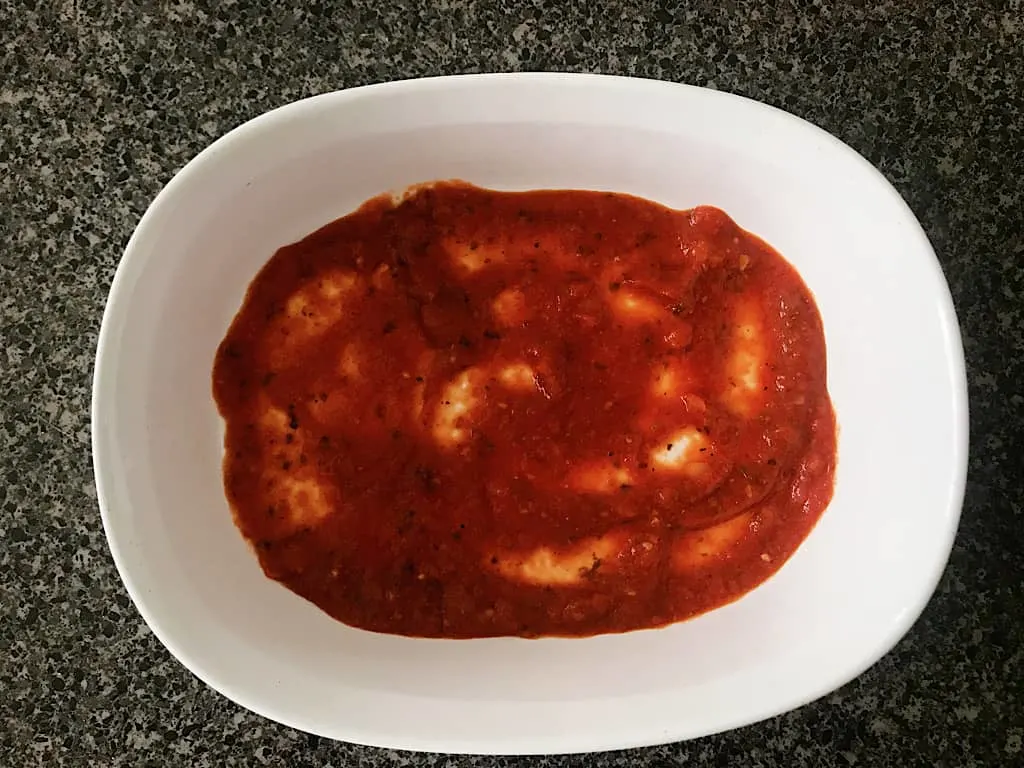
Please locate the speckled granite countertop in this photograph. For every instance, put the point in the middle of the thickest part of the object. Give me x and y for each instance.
(101, 102)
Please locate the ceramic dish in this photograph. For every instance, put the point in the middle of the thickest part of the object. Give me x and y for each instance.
(895, 373)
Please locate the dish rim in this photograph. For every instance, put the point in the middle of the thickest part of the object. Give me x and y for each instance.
(105, 461)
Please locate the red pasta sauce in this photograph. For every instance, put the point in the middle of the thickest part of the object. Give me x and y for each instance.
(467, 413)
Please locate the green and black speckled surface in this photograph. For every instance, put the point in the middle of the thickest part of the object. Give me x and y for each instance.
(101, 102)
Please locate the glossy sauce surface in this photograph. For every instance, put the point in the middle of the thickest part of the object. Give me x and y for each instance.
(469, 413)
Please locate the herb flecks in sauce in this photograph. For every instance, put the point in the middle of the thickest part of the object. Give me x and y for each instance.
(486, 413)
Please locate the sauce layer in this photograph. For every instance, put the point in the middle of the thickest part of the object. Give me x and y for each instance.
(468, 413)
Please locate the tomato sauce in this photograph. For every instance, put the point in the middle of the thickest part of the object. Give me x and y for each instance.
(467, 413)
